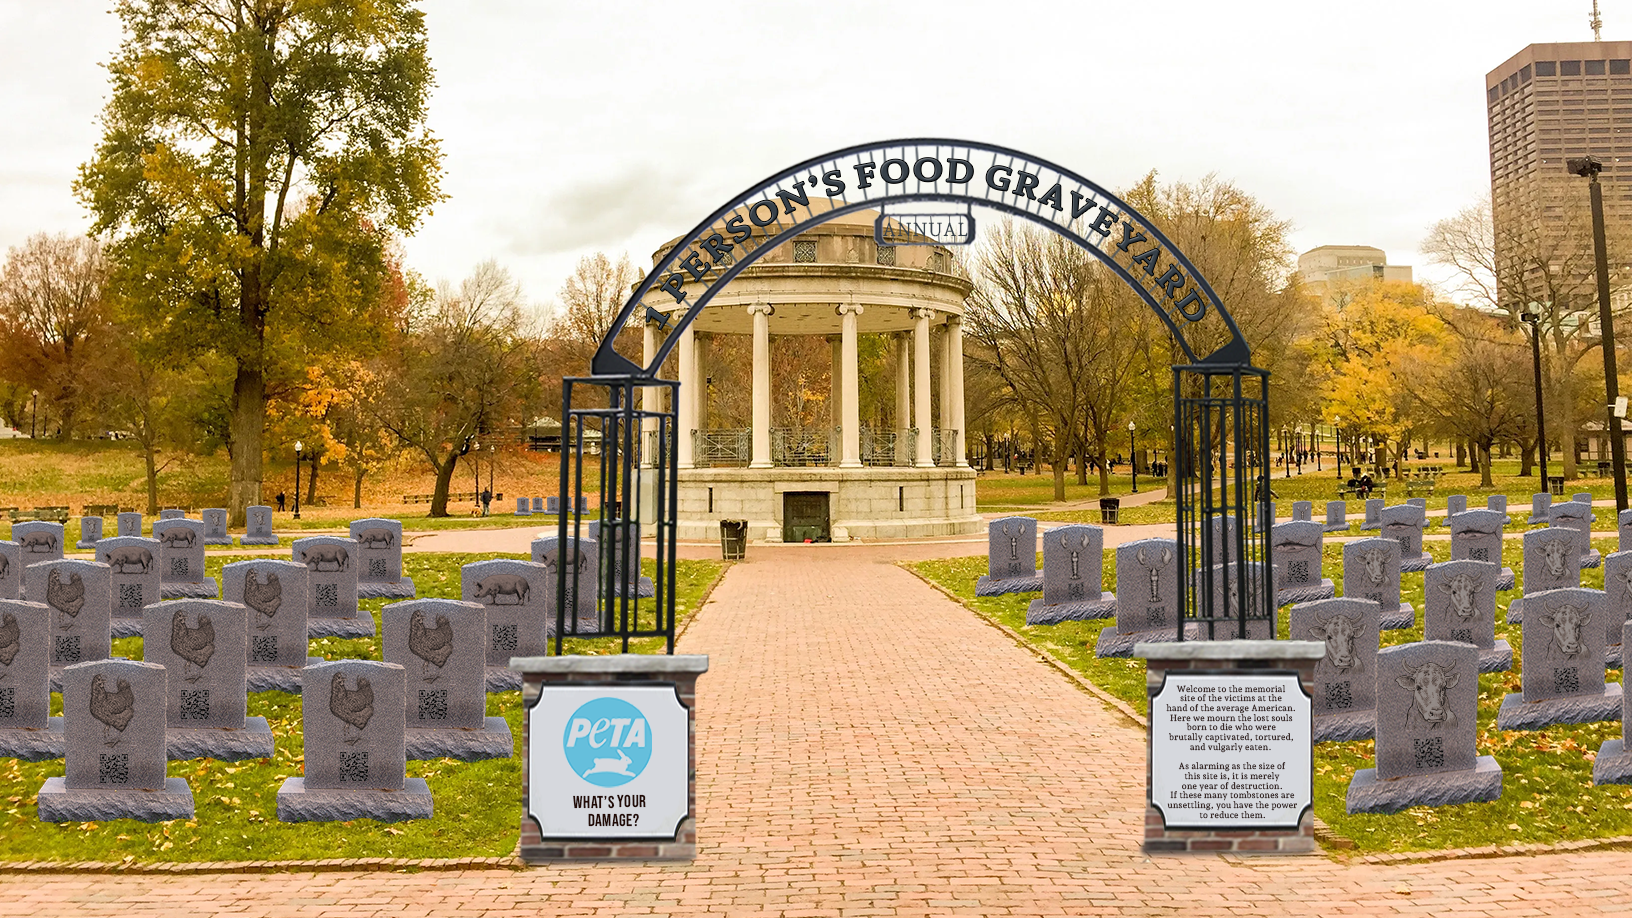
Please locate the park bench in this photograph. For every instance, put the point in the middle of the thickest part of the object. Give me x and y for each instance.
(427, 498)
(1378, 492)
(47, 514)
(101, 510)
(1419, 487)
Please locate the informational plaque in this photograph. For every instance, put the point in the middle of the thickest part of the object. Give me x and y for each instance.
(1230, 751)
(608, 762)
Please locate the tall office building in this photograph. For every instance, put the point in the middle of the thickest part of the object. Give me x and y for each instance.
(1546, 104)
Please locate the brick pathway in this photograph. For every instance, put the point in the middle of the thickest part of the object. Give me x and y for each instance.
(870, 748)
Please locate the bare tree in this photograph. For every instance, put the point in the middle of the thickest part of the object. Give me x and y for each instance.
(51, 312)
(1476, 390)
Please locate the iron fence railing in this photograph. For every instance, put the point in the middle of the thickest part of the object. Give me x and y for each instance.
(883, 448)
(722, 447)
(793, 446)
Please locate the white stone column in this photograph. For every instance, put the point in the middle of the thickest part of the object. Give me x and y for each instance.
(943, 381)
(903, 385)
(701, 347)
(762, 384)
(850, 400)
(686, 411)
(920, 387)
(835, 382)
(954, 331)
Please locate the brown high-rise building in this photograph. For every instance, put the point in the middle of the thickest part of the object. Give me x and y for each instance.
(1547, 104)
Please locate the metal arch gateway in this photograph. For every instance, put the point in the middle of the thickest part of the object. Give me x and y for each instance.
(1221, 434)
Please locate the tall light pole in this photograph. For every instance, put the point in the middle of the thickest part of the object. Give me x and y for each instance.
(1338, 450)
(297, 479)
(1532, 318)
(1588, 167)
(1286, 454)
(1133, 463)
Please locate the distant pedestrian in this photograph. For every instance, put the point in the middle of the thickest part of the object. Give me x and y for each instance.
(487, 498)
(280, 501)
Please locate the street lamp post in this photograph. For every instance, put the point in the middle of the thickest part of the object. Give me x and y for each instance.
(1286, 453)
(1532, 318)
(1339, 448)
(1589, 167)
(297, 479)
(1133, 463)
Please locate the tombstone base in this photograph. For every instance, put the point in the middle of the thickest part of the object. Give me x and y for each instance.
(85, 546)
(124, 627)
(1416, 565)
(1515, 612)
(277, 678)
(1338, 527)
(57, 802)
(1506, 581)
(1113, 643)
(503, 679)
(1372, 527)
(1403, 617)
(359, 627)
(298, 803)
(1293, 595)
(644, 588)
(402, 589)
(1592, 559)
(1369, 794)
(203, 589)
(1518, 714)
(1612, 656)
(1498, 659)
(218, 540)
(492, 741)
(1613, 764)
(1078, 611)
(257, 540)
(253, 741)
(986, 586)
(33, 745)
(1343, 728)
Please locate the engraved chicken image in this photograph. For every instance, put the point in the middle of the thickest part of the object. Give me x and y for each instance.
(113, 709)
(194, 645)
(264, 598)
(433, 646)
(354, 707)
(11, 641)
(67, 598)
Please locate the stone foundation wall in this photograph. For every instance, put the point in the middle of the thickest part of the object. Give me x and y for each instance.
(866, 503)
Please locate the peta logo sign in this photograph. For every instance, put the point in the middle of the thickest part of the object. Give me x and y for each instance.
(607, 742)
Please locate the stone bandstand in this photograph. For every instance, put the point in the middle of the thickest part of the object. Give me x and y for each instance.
(906, 477)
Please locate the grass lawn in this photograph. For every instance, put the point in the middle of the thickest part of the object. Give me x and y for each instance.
(1548, 795)
(478, 804)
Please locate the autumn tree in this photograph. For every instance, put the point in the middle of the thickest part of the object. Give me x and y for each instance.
(52, 320)
(256, 156)
(1477, 387)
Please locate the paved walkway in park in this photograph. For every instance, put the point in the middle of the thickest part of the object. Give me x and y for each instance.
(867, 747)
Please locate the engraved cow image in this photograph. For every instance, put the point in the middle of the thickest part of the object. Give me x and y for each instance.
(376, 538)
(493, 589)
(132, 559)
(1338, 632)
(1428, 684)
(316, 557)
(1462, 591)
(179, 537)
(39, 543)
(1553, 553)
(1154, 568)
(1375, 561)
(1623, 578)
(1566, 622)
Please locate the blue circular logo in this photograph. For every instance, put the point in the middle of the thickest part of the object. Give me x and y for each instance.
(608, 742)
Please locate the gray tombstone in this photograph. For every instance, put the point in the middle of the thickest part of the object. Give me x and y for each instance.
(258, 527)
(133, 567)
(215, 527)
(1260, 525)
(1337, 516)
(276, 593)
(11, 570)
(551, 505)
(27, 731)
(1551, 562)
(114, 728)
(80, 594)
(40, 541)
(1371, 570)
(1147, 597)
(331, 563)
(1427, 732)
(202, 645)
(442, 646)
(1303, 511)
(1613, 764)
(353, 718)
(1072, 560)
(1617, 603)
(1344, 701)
(1497, 502)
(181, 559)
(1011, 557)
(1404, 525)
(90, 530)
(625, 576)
(515, 595)
(1563, 679)
(522, 507)
(1296, 549)
(1459, 604)
(1623, 527)
(1454, 504)
(1577, 517)
(1374, 510)
(1226, 601)
(1476, 535)
(129, 524)
(1539, 504)
(1585, 497)
(172, 514)
(580, 568)
(379, 560)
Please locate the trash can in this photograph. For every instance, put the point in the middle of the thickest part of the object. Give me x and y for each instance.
(733, 539)
(1555, 485)
(1109, 508)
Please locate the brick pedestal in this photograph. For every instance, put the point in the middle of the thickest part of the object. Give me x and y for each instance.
(679, 672)
(1225, 658)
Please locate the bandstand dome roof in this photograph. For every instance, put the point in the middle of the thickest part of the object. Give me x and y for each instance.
(838, 262)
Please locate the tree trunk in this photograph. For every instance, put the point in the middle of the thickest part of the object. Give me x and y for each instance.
(1484, 465)
(1565, 426)
(357, 488)
(444, 477)
(1474, 465)
(311, 487)
(244, 449)
(1461, 454)
(1104, 469)
(1062, 451)
(1527, 459)
(150, 456)
(1082, 460)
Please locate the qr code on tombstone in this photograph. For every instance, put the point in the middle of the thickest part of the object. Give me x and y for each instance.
(1479, 554)
(1465, 635)
(354, 767)
(433, 704)
(328, 595)
(504, 638)
(8, 703)
(263, 649)
(1298, 571)
(1074, 590)
(1338, 696)
(1405, 545)
(1566, 680)
(195, 705)
(113, 768)
(1155, 615)
(65, 649)
(178, 567)
(130, 596)
(377, 567)
(1430, 752)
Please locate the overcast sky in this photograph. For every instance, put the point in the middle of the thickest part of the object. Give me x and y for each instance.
(576, 127)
